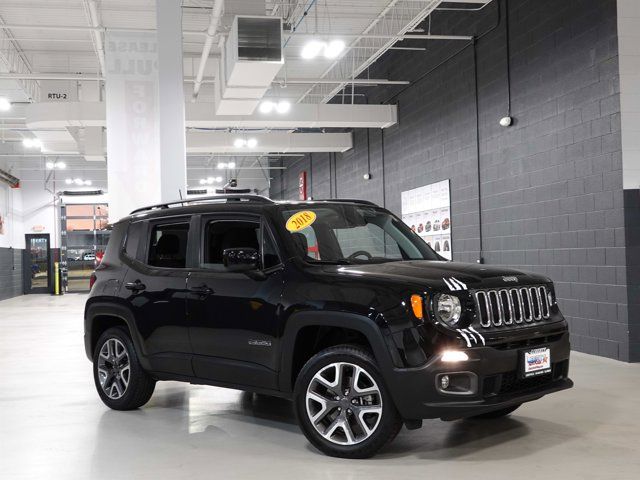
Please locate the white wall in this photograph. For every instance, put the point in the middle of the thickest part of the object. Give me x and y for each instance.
(11, 212)
(40, 212)
(629, 58)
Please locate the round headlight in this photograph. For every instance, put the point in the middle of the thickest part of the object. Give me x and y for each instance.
(448, 309)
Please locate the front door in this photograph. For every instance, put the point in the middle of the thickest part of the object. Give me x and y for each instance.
(232, 315)
(38, 264)
(155, 290)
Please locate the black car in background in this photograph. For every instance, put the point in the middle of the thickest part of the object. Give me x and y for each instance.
(336, 305)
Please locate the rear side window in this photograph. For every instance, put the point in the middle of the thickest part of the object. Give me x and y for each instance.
(168, 245)
(133, 240)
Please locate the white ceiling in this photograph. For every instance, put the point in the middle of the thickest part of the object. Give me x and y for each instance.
(69, 51)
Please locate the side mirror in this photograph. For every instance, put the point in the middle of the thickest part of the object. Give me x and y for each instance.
(240, 259)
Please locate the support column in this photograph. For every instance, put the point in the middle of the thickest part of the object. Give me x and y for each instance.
(173, 157)
(146, 159)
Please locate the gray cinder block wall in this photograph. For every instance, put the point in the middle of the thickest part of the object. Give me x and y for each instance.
(551, 197)
(10, 273)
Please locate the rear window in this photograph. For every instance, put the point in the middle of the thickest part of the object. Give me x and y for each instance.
(168, 245)
(133, 240)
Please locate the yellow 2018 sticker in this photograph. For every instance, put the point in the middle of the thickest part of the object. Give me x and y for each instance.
(301, 220)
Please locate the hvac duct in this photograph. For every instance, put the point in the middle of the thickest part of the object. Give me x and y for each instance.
(251, 58)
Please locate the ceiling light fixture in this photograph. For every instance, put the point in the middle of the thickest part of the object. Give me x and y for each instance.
(5, 105)
(78, 181)
(281, 107)
(266, 106)
(242, 143)
(31, 143)
(312, 49)
(52, 165)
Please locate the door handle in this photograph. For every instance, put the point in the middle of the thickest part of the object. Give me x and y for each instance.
(136, 286)
(202, 289)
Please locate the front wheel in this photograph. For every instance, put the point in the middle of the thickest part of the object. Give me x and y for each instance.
(119, 378)
(342, 404)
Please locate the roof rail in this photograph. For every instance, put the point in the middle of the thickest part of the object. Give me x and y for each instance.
(233, 197)
(346, 200)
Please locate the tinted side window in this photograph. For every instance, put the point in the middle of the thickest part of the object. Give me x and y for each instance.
(133, 240)
(168, 245)
(223, 234)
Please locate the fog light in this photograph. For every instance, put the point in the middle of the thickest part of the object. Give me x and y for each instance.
(454, 356)
(444, 382)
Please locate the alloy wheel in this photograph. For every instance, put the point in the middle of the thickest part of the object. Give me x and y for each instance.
(344, 403)
(113, 368)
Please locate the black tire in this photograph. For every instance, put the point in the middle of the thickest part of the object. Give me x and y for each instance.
(497, 413)
(388, 425)
(140, 385)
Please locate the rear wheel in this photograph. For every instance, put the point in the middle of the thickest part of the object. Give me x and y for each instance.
(497, 413)
(119, 378)
(342, 404)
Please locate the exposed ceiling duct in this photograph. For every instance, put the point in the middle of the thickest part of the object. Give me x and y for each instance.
(93, 114)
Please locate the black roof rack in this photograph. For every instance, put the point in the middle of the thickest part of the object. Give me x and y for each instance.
(345, 200)
(212, 199)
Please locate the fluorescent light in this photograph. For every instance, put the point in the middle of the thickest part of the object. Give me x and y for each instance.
(78, 181)
(60, 165)
(454, 356)
(31, 143)
(266, 106)
(203, 181)
(283, 106)
(88, 182)
(210, 180)
(49, 165)
(334, 48)
(5, 105)
(218, 179)
(231, 165)
(312, 49)
(68, 181)
(239, 142)
(222, 165)
(252, 143)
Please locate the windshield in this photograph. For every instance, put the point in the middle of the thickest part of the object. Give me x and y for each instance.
(352, 234)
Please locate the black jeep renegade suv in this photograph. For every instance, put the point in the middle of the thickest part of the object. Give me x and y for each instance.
(334, 304)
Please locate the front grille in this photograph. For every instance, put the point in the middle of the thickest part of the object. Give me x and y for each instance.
(509, 306)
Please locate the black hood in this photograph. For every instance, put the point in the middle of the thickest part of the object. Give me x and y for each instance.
(438, 274)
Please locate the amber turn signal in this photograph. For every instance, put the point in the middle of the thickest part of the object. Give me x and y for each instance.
(416, 306)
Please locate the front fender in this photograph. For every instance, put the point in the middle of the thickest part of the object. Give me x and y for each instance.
(382, 346)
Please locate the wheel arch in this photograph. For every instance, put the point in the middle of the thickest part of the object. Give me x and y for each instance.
(101, 315)
(361, 325)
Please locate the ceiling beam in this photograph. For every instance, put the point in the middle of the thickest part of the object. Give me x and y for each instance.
(201, 115)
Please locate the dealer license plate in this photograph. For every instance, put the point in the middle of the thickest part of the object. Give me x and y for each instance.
(537, 362)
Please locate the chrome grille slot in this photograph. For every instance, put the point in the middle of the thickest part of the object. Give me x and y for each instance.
(512, 306)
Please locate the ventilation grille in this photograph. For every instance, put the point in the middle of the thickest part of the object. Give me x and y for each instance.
(512, 306)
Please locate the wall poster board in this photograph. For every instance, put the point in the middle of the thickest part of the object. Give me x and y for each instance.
(427, 210)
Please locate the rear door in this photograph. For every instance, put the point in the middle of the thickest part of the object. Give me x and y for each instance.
(232, 315)
(155, 289)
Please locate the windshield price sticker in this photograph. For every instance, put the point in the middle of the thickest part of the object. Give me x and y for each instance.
(301, 220)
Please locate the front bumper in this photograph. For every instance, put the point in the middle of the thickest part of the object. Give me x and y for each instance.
(498, 383)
